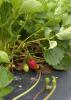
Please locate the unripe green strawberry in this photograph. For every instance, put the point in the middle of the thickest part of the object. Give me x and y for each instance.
(47, 80)
(25, 67)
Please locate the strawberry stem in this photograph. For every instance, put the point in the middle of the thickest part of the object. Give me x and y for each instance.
(52, 91)
(50, 94)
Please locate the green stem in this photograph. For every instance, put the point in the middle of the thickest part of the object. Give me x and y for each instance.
(50, 94)
(28, 38)
(33, 41)
(27, 91)
(31, 35)
(23, 24)
(41, 39)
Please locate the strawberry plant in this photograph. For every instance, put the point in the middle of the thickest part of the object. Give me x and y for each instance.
(46, 23)
(5, 76)
(39, 29)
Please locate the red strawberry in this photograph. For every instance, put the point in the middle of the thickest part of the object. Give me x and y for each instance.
(33, 64)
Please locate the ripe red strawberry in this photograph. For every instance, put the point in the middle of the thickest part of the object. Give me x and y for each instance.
(33, 64)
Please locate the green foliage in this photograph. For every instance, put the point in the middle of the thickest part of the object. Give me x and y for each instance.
(45, 22)
(4, 57)
(32, 6)
(40, 20)
(5, 12)
(66, 19)
(53, 44)
(16, 6)
(53, 56)
(47, 32)
(5, 79)
(1, 1)
(65, 34)
(65, 63)
(26, 6)
(5, 91)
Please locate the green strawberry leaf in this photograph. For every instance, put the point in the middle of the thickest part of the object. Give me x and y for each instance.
(32, 6)
(65, 64)
(65, 34)
(53, 56)
(5, 91)
(52, 44)
(4, 57)
(5, 77)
